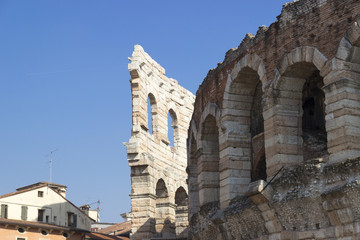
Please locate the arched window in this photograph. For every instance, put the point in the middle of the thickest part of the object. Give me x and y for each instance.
(151, 107)
(172, 128)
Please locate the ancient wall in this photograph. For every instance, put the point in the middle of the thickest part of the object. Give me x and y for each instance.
(158, 164)
(285, 99)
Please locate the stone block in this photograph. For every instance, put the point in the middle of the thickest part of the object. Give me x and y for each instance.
(344, 49)
(259, 192)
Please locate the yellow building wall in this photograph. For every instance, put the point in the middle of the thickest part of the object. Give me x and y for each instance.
(35, 234)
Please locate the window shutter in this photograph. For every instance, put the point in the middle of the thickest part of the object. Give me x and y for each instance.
(24, 210)
(2, 211)
(74, 220)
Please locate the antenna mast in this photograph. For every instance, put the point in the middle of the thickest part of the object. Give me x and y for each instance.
(50, 163)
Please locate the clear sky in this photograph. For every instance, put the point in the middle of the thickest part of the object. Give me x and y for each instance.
(64, 82)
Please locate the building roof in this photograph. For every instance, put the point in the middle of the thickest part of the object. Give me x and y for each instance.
(22, 190)
(123, 228)
(102, 236)
(52, 185)
(32, 187)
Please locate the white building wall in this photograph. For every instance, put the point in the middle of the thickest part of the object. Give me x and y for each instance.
(53, 204)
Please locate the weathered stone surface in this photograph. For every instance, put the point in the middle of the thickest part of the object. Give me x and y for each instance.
(307, 65)
(314, 200)
(158, 176)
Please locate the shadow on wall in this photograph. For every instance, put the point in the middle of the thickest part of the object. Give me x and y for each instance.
(147, 231)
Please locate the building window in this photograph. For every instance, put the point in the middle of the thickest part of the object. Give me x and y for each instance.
(44, 232)
(20, 238)
(24, 211)
(21, 230)
(40, 194)
(55, 219)
(47, 219)
(4, 211)
(41, 215)
(72, 219)
(65, 235)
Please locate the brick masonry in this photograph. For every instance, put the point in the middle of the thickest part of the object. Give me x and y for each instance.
(305, 67)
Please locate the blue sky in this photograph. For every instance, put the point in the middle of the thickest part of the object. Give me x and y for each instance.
(64, 82)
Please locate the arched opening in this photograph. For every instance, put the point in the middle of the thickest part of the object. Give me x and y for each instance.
(172, 128)
(164, 212)
(181, 197)
(258, 160)
(247, 104)
(151, 107)
(208, 166)
(243, 124)
(313, 118)
(305, 83)
(181, 218)
(161, 190)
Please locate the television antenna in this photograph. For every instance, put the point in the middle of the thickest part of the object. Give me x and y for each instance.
(50, 156)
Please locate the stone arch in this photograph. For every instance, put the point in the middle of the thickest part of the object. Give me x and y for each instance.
(242, 124)
(342, 85)
(210, 109)
(252, 61)
(209, 158)
(296, 99)
(299, 55)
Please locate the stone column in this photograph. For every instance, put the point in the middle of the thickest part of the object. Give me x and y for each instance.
(142, 216)
(342, 97)
(194, 204)
(208, 177)
(283, 126)
(181, 221)
(165, 219)
(235, 163)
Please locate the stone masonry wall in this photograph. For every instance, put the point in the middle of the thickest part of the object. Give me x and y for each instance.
(158, 175)
(312, 201)
(307, 65)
